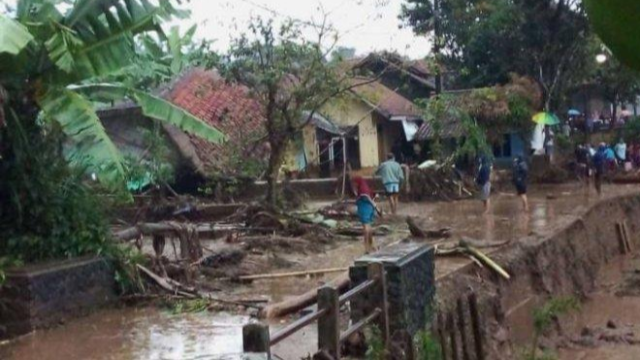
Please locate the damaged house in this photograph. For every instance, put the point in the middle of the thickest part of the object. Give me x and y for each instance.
(205, 94)
(376, 118)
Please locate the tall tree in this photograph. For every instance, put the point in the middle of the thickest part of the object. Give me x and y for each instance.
(617, 82)
(291, 78)
(485, 40)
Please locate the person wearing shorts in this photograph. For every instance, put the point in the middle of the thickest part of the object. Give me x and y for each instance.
(520, 177)
(483, 180)
(366, 209)
(392, 175)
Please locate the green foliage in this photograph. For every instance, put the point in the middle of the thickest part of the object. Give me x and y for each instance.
(376, 349)
(153, 167)
(189, 306)
(565, 144)
(288, 75)
(428, 346)
(49, 53)
(48, 211)
(158, 61)
(631, 130)
(127, 275)
(617, 23)
(483, 41)
(543, 318)
(5, 263)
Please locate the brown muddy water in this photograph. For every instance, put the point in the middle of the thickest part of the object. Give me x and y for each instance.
(608, 325)
(141, 334)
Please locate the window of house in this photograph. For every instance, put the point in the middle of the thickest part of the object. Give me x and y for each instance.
(503, 149)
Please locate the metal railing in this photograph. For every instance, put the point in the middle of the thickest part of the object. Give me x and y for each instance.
(257, 339)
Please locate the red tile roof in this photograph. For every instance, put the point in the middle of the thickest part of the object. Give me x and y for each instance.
(226, 106)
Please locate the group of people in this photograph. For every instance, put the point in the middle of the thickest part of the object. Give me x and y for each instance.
(604, 160)
(392, 176)
(519, 177)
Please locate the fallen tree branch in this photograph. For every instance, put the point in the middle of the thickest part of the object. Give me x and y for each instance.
(174, 287)
(300, 302)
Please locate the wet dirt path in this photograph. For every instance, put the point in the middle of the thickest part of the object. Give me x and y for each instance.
(131, 334)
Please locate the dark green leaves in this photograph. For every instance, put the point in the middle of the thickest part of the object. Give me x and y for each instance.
(617, 22)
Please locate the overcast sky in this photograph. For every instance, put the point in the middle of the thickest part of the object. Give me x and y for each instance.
(366, 25)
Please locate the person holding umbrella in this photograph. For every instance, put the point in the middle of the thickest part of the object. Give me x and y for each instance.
(547, 120)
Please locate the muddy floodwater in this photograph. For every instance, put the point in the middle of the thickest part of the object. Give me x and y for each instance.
(142, 334)
(608, 324)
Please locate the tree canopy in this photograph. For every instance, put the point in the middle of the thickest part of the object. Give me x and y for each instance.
(483, 41)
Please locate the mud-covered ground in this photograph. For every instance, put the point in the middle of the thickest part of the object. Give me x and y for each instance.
(608, 325)
(157, 334)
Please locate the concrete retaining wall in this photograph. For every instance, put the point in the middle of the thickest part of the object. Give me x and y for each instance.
(44, 295)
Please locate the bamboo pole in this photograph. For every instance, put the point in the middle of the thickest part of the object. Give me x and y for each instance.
(288, 274)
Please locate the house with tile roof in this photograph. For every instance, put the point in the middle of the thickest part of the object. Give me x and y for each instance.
(204, 93)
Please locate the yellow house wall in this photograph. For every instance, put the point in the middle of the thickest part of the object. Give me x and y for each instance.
(310, 144)
(352, 112)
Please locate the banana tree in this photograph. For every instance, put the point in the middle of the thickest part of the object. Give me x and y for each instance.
(52, 57)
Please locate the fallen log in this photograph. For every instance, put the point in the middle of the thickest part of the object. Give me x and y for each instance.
(167, 229)
(300, 302)
(174, 288)
(288, 274)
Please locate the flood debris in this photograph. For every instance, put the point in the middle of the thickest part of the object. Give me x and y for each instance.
(439, 183)
(417, 232)
(469, 248)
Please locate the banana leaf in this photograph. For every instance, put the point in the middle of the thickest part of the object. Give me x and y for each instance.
(78, 120)
(13, 36)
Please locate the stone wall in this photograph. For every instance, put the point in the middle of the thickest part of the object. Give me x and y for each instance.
(43, 295)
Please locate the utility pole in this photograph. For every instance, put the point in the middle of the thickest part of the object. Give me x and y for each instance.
(436, 43)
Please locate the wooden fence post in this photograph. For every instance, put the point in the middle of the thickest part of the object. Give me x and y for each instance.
(476, 326)
(256, 339)
(328, 324)
(379, 299)
(451, 327)
(463, 330)
(440, 329)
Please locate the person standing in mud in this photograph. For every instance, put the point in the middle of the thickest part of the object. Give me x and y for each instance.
(392, 176)
(583, 158)
(520, 180)
(599, 166)
(483, 180)
(367, 210)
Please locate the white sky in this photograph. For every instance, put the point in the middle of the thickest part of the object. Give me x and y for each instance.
(366, 25)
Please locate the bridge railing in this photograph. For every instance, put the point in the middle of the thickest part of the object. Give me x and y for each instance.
(257, 338)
